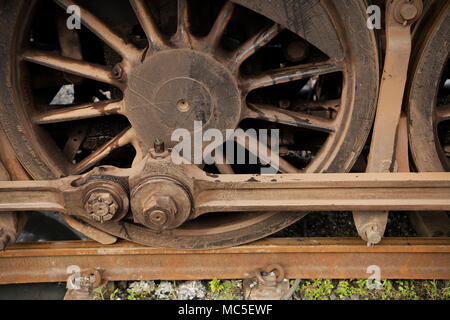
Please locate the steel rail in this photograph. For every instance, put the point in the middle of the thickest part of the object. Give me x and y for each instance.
(305, 258)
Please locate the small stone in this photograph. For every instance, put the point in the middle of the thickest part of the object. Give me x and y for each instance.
(142, 287)
(355, 297)
(165, 291)
(333, 297)
(191, 290)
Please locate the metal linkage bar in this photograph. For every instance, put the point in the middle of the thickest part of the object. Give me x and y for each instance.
(323, 192)
(336, 258)
(234, 193)
(400, 15)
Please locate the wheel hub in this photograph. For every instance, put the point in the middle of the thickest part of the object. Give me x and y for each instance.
(178, 87)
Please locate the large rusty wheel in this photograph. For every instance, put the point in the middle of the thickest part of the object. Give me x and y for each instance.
(140, 69)
(429, 97)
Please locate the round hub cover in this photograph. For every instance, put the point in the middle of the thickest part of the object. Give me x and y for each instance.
(172, 89)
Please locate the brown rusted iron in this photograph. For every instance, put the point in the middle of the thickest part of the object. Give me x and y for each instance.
(429, 224)
(9, 160)
(336, 258)
(89, 231)
(167, 82)
(269, 285)
(11, 223)
(82, 286)
(427, 105)
(230, 193)
(175, 81)
(400, 14)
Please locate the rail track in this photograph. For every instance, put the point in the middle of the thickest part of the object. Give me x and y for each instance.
(140, 70)
(299, 258)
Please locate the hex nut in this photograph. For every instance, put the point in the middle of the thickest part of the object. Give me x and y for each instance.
(101, 206)
(159, 211)
(408, 11)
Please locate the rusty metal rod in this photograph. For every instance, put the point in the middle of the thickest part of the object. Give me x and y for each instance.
(306, 258)
(290, 192)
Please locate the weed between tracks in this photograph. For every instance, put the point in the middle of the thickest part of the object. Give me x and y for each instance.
(318, 289)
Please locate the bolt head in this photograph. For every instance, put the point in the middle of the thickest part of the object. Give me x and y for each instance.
(296, 51)
(158, 217)
(373, 236)
(117, 72)
(159, 211)
(101, 206)
(408, 11)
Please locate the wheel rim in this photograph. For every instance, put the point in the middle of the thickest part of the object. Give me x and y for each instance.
(246, 104)
(429, 97)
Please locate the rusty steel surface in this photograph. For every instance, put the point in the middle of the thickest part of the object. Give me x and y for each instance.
(11, 223)
(169, 80)
(428, 104)
(159, 81)
(165, 198)
(237, 193)
(400, 15)
(337, 258)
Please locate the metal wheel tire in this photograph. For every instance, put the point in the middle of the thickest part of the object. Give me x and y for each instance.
(428, 101)
(336, 28)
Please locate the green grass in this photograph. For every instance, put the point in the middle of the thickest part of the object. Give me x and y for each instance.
(316, 289)
(320, 289)
(223, 290)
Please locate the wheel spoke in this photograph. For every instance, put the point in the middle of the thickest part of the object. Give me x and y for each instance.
(280, 76)
(76, 138)
(80, 112)
(254, 44)
(182, 36)
(291, 118)
(124, 138)
(272, 158)
(216, 33)
(443, 113)
(104, 32)
(76, 67)
(148, 24)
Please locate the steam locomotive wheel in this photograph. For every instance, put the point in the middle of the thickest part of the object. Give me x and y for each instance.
(429, 98)
(137, 70)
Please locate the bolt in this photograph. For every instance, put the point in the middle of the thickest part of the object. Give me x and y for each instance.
(117, 71)
(101, 206)
(158, 145)
(373, 236)
(296, 51)
(408, 11)
(158, 217)
(159, 211)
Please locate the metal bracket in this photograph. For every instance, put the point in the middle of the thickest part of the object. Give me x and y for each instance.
(270, 284)
(400, 14)
(88, 281)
